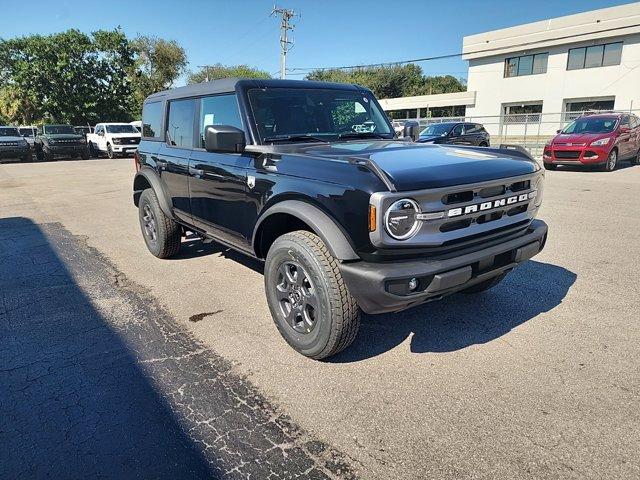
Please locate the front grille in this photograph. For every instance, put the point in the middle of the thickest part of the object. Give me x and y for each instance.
(8, 144)
(65, 142)
(567, 154)
(129, 140)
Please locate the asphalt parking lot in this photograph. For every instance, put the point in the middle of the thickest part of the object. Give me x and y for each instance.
(114, 363)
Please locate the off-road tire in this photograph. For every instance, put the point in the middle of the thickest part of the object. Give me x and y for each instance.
(39, 154)
(85, 155)
(27, 157)
(167, 232)
(338, 317)
(550, 166)
(483, 286)
(48, 156)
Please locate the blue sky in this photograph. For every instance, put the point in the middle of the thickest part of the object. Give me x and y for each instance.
(328, 33)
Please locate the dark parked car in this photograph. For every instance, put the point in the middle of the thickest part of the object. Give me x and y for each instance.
(61, 140)
(13, 145)
(603, 139)
(456, 133)
(308, 177)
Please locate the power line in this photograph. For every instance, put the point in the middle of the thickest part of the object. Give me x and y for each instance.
(285, 44)
(384, 64)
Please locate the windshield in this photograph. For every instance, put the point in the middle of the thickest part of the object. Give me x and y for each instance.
(9, 132)
(59, 130)
(323, 114)
(437, 129)
(121, 129)
(592, 125)
(27, 132)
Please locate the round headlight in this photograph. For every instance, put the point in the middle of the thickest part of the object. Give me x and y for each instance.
(401, 220)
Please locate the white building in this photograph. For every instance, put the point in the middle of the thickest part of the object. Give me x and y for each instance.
(588, 61)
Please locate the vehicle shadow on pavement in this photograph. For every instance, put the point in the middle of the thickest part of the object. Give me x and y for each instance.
(74, 401)
(460, 320)
(194, 247)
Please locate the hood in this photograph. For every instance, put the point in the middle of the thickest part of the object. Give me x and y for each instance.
(415, 166)
(63, 136)
(579, 138)
(11, 139)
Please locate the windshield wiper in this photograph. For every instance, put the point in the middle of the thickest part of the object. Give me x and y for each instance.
(294, 138)
(362, 135)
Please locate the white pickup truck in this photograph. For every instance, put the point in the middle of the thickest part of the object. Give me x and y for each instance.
(113, 139)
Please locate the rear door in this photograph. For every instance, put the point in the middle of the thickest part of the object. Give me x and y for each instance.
(218, 181)
(457, 135)
(173, 155)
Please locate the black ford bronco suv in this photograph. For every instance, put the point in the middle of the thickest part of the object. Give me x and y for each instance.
(62, 140)
(309, 177)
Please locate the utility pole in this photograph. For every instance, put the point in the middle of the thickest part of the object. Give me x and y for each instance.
(285, 44)
(206, 67)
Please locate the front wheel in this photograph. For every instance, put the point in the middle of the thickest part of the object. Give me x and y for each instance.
(161, 234)
(308, 299)
(27, 157)
(612, 161)
(110, 153)
(85, 155)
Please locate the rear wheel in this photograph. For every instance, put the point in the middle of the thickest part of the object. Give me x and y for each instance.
(307, 297)
(161, 234)
(483, 144)
(486, 285)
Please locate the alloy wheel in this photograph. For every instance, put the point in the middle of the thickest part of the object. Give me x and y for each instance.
(297, 297)
(149, 223)
(611, 162)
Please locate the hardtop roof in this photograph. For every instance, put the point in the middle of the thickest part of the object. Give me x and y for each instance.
(228, 85)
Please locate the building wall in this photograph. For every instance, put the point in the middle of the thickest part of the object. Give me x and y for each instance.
(486, 78)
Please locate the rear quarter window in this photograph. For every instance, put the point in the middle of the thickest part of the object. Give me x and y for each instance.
(152, 120)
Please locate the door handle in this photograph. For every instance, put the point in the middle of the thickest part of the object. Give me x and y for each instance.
(196, 172)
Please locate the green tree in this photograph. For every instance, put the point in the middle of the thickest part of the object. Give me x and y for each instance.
(218, 71)
(66, 77)
(158, 64)
(392, 81)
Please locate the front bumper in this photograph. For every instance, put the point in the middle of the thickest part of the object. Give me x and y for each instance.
(125, 148)
(583, 155)
(66, 149)
(378, 287)
(13, 152)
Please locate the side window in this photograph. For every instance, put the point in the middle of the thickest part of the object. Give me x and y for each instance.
(218, 110)
(98, 129)
(180, 123)
(635, 122)
(152, 120)
(457, 130)
(470, 128)
(624, 123)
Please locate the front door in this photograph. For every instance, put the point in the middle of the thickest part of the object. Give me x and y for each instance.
(218, 181)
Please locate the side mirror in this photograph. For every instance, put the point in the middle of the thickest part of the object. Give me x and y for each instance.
(411, 129)
(224, 138)
(558, 131)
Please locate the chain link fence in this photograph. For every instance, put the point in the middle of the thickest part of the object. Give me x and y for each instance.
(530, 130)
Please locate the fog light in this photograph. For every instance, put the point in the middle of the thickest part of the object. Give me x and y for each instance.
(413, 284)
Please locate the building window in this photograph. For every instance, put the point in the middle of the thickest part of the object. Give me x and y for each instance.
(575, 108)
(526, 65)
(595, 56)
(522, 113)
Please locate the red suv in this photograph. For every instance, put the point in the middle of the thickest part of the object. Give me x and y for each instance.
(603, 139)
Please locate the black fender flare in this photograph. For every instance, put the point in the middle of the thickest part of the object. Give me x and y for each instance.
(153, 179)
(323, 225)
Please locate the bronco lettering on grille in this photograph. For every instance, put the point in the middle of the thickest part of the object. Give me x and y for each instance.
(481, 207)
